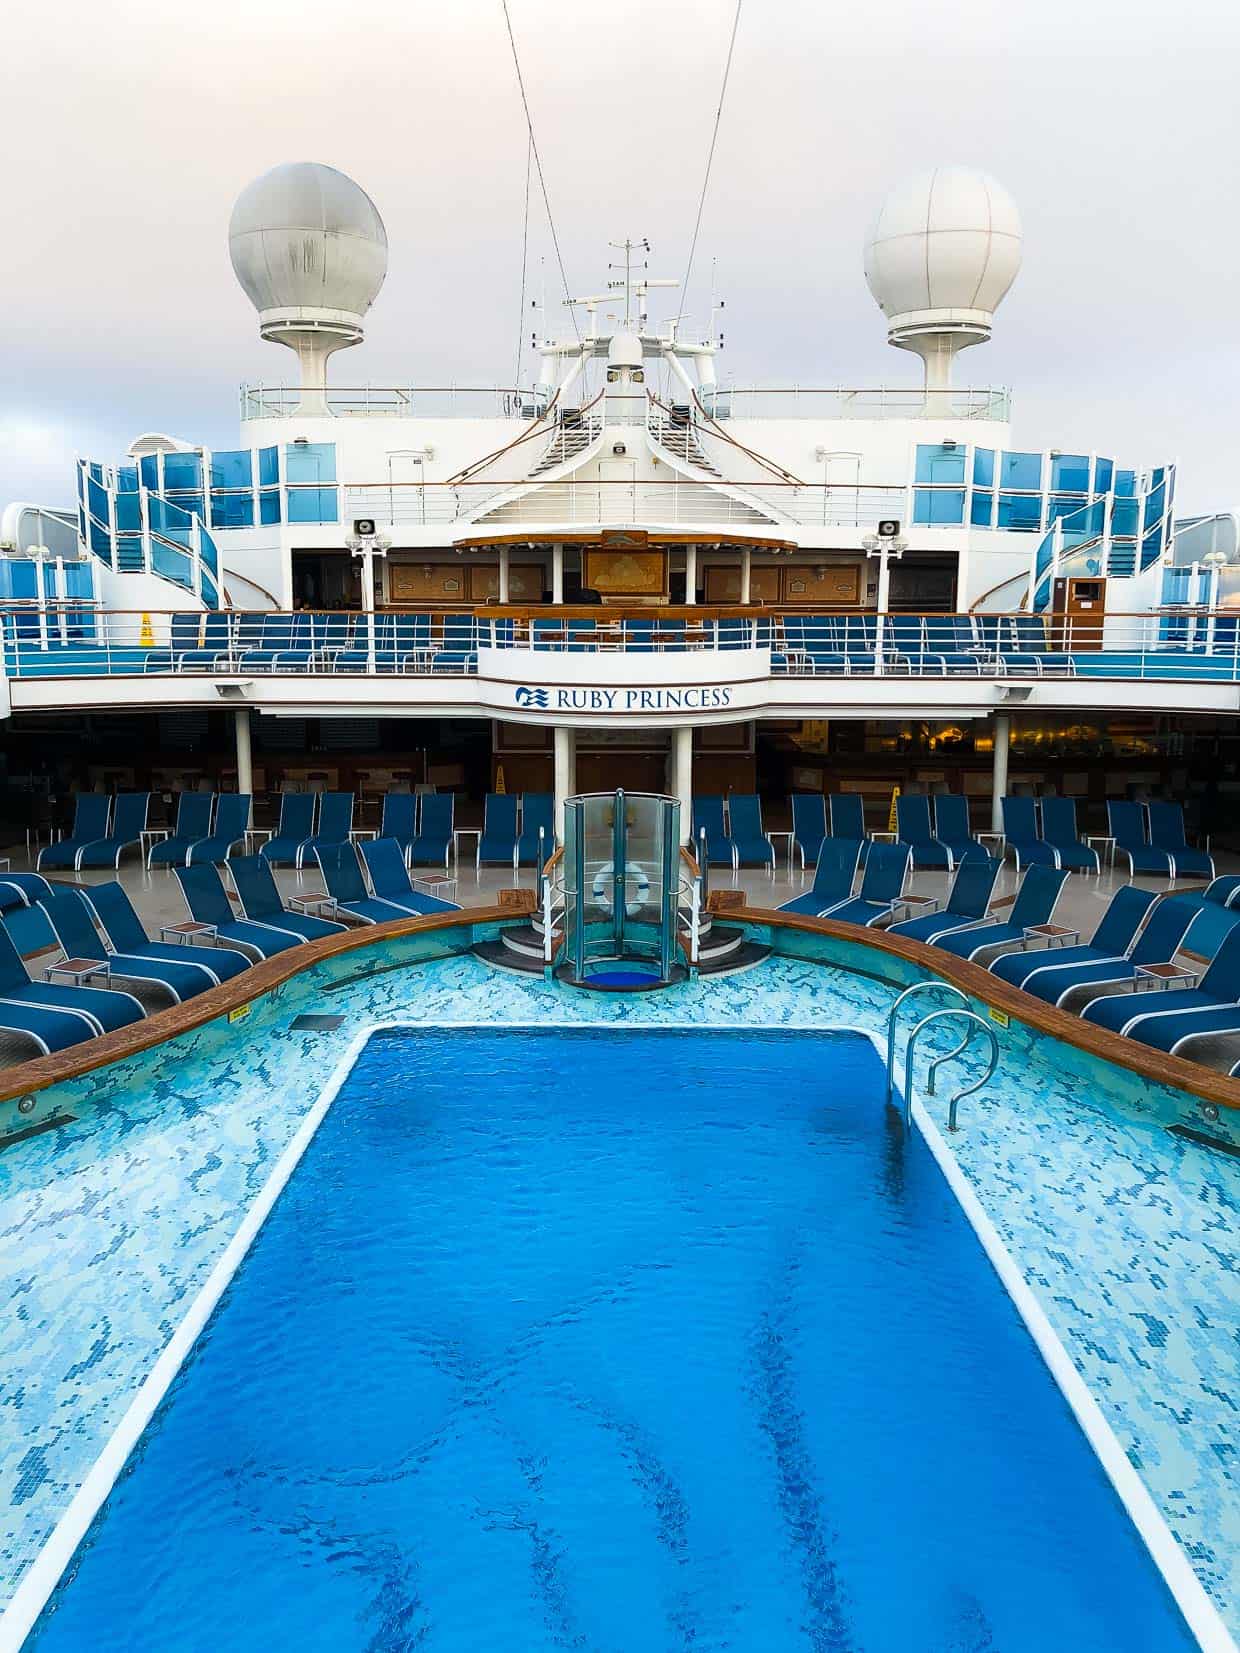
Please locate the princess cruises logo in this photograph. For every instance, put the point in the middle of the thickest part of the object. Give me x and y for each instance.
(538, 698)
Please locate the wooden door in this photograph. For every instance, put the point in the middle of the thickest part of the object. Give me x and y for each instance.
(1080, 610)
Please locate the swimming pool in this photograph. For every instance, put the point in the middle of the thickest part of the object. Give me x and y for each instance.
(619, 1339)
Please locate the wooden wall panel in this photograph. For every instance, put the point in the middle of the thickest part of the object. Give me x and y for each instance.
(447, 582)
(626, 573)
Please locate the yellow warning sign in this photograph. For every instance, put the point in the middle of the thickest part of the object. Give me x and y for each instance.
(499, 778)
(239, 1014)
(999, 1016)
(146, 637)
(891, 813)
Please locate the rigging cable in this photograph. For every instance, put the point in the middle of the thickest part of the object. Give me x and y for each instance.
(542, 182)
(525, 247)
(710, 157)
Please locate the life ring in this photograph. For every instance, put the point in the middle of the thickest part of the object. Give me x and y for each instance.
(636, 888)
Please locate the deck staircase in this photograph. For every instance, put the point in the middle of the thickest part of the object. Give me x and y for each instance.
(722, 950)
(679, 437)
(572, 438)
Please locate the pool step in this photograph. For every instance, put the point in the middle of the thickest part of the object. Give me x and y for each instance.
(500, 957)
(739, 955)
(525, 940)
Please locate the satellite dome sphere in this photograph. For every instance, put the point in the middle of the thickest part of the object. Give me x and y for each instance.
(945, 245)
(305, 240)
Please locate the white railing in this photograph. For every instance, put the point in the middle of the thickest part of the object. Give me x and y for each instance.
(842, 402)
(264, 401)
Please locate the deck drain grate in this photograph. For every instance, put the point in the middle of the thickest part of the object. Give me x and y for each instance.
(1204, 1140)
(317, 1024)
(11, 1138)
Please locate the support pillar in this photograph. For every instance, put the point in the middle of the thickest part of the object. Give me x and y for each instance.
(690, 574)
(504, 556)
(746, 568)
(682, 770)
(565, 774)
(245, 766)
(999, 780)
(557, 574)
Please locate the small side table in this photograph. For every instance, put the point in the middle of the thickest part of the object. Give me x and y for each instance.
(150, 837)
(1052, 934)
(261, 833)
(189, 931)
(6, 864)
(79, 971)
(312, 902)
(787, 836)
(917, 903)
(1163, 976)
(437, 884)
(885, 837)
(1104, 844)
(464, 832)
(993, 838)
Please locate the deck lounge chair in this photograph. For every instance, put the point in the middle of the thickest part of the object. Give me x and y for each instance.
(1127, 824)
(809, 826)
(399, 819)
(457, 646)
(53, 1017)
(753, 847)
(1059, 830)
(913, 828)
(294, 830)
(128, 824)
(355, 655)
(125, 930)
(971, 891)
(285, 643)
(719, 850)
(390, 881)
(537, 841)
(182, 637)
(1170, 1020)
(1053, 975)
(343, 876)
(498, 839)
(232, 817)
(882, 885)
(193, 824)
(1023, 835)
(70, 917)
(335, 824)
(91, 812)
(256, 889)
(833, 879)
(208, 903)
(213, 651)
(434, 840)
(949, 637)
(1034, 904)
(1167, 832)
(22, 889)
(951, 827)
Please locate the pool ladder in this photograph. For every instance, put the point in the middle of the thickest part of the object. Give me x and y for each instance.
(960, 1012)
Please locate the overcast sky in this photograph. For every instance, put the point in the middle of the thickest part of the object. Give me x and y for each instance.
(129, 127)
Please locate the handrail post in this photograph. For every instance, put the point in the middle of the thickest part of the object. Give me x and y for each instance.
(974, 1020)
(909, 993)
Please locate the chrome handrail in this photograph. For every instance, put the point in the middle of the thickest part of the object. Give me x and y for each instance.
(974, 1020)
(893, 1013)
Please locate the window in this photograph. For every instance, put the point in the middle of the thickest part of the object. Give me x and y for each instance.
(312, 505)
(982, 511)
(310, 462)
(935, 463)
(943, 506)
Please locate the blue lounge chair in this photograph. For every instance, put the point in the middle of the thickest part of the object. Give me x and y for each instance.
(972, 888)
(1034, 904)
(809, 826)
(331, 637)
(913, 828)
(949, 637)
(213, 651)
(256, 889)
(847, 816)
(347, 888)
(390, 881)
(833, 880)
(951, 827)
(1059, 830)
(128, 825)
(182, 637)
(1052, 976)
(208, 903)
(711, 842)
(1173, 1020)
(434, 840)
(193, 824)
(284, 644)
(232, 817)
(70, 917)
(293, 831)
(1023, 836)
(91, 812)
(1167, 832)
(22, 889)
(457, 650)
(400, 819)
(355, 655)
(1126, 822)
(537, 841)
(53, 1017)
(498, 840)
(335, 824)
(125, 930)
(1162, 938)
(882, 885)
(753, 847)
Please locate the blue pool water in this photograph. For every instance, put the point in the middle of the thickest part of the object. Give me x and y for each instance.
(622, 1341)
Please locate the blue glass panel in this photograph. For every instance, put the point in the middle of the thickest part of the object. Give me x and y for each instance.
(148, 470)
(1154, 505)
(19, 577)
(232, 511)
(172, 564)
(1124, 518)
(96, 472)
(1020, 512)
(982, 511)
(100, 540)
(1070, 471)
(310, 462)
(1151, 547)
(1021, 470)
(268, 467)
(945, 506)
(311, 505)
(232, 469)
(1125, 482)
(207, 553)
(983, 467)
(936, 463)
(127, 478)
(1104, 475)
(1061, 505)
(79, 579)
(182, 473)
(129, 513)
(269, 506)
(210, 592)
(97, 500)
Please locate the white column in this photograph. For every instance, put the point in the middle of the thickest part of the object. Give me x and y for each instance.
(504, 555)
(999, 780)
(245, 767)
(690, 573)
(682, 768)
(746, 567)
(368, 606)
(557, 573)
(565, 774)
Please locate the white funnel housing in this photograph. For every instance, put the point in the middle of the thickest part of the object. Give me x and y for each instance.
(942, 253)
(309, 248)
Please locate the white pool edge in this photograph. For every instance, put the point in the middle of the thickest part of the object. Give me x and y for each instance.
(31, 1596)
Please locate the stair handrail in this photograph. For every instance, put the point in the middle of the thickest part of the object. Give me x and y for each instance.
(908, 993)
(234, 574)
(772, 465)
(533, 429)
(973, 1020)
(547, 893)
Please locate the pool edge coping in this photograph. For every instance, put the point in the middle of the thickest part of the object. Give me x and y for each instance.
(21, 1613)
